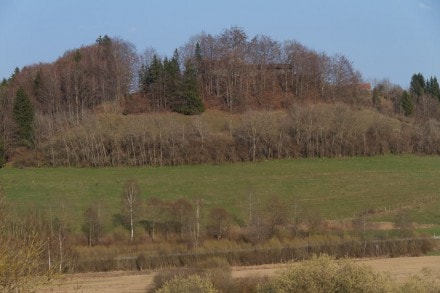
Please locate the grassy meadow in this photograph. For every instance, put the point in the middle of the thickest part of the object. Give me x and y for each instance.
(337, 188)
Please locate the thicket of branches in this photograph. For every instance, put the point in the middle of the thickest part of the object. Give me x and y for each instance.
(304, 131)
(22, 251)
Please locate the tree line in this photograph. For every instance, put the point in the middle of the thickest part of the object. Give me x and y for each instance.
(192, 221)
(167, 88)
(46, 107)
(150, 233)
(238, 73)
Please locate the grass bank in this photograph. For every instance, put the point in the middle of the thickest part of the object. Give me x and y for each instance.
(337, 188)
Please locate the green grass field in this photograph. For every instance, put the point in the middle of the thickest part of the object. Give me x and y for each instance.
(338, 188)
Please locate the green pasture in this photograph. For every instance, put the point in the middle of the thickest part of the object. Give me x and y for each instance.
(337, 188)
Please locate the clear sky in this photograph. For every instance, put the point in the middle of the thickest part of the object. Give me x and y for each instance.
(384, 38)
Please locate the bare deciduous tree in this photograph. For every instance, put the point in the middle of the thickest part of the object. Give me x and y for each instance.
(93, 225)
(220, 222)
(276, 214)
(131, 204)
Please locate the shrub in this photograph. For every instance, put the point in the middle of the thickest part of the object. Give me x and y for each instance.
(325, 274)
(214, 263)
(188, 284)
(247, 284)
(120, 234)
(167, 276)
(141, 262)
(218, 271)
(421, 284)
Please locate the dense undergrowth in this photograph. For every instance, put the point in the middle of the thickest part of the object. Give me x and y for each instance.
(322, 130)
(144, 257)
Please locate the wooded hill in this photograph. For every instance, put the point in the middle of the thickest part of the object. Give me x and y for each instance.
(288, 101)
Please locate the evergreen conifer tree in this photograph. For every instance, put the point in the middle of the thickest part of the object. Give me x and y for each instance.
(151, 82)
(432, 87)
(417, 86)
(199, 64)
(153, 71)
(190, 103)
(23, 113)
(172, 82)
(407, 103)
(199, 58)
(198, 52)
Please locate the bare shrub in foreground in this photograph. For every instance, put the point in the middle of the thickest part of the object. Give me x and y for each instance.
(325, 274)
(189, 284)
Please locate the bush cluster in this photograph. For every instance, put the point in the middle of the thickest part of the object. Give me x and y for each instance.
(303, 131)
(320, 274)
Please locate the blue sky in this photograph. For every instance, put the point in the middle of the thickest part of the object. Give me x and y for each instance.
(384, 38)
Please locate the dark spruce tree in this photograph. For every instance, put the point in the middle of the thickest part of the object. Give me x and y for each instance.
(433, 88)
(151, 76)
(148, 75)
(24, 116)
(417, 86)
(105, 41)
(198, 53)
(190, 102)
(406, 103)
(198, 58)
(172, 81)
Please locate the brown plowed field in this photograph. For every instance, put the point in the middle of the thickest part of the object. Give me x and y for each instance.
(133, 282)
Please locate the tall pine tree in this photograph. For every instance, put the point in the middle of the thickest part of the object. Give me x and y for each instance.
(24, 116)
(190, 102)
(151, 82)
(432, 87)
(407, 103)
(172, 81)
(417, 86)
(153, 72)
(198, 58)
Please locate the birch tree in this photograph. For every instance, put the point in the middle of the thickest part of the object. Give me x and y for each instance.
(130, 204)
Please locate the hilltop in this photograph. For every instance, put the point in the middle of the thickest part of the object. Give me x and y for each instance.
(106, 105)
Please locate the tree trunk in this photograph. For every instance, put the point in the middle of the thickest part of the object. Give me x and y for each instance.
(60, 240)
(131, 223)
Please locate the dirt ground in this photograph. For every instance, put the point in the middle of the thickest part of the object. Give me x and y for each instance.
(133, 282)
